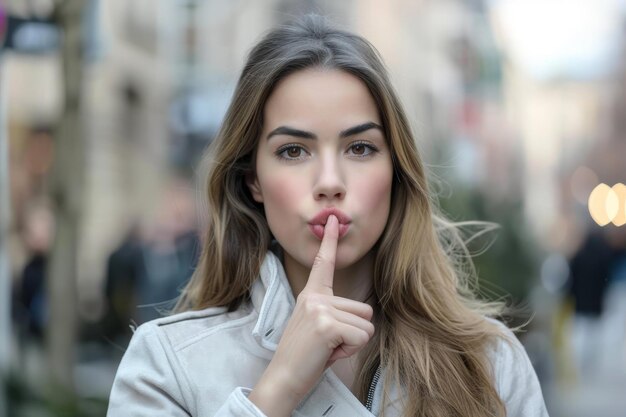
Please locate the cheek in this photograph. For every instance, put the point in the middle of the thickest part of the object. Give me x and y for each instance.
(281, 194)
(375, 194)
(277, 192)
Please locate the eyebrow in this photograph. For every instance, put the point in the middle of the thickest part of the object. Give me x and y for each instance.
(354, 130)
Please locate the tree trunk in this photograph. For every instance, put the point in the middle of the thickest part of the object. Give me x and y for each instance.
(66, 193)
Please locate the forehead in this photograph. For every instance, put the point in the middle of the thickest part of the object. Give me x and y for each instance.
(317, 98)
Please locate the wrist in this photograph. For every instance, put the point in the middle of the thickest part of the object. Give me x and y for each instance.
(273, 396)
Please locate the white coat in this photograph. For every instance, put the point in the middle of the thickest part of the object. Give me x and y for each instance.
(205, 363)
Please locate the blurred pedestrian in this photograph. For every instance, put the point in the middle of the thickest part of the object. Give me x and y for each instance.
(31, 301)
(589, 273)
(614, 313)
(31, 294)
(168, 255)
(122, 276)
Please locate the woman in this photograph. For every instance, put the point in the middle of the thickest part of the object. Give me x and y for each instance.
(326, 284)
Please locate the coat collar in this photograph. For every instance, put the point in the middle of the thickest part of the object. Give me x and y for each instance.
(273, 300)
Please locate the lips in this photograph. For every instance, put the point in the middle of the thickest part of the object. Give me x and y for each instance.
(317, 223)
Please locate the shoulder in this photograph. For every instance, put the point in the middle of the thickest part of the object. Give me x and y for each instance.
(151, 379)
(505, 337)
(182, 328)
(506, 347)
(506, 352)
(514, 376)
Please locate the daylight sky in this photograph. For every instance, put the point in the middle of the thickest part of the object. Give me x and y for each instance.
(561, 38)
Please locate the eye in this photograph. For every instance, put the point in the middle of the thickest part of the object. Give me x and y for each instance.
(359, 149)
(362, 149)
(291, 152)
(294, 152)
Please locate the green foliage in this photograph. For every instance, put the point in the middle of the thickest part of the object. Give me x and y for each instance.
(506, 259)
(25, 400)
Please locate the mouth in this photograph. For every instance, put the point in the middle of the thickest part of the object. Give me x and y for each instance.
(317, 223)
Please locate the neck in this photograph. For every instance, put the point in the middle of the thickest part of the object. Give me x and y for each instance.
(354, 281)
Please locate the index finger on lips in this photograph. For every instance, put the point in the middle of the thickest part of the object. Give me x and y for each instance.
(321, 277)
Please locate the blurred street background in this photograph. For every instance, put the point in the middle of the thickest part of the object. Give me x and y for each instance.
(519, 108)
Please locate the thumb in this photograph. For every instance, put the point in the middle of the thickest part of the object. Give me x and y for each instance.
(323, 270)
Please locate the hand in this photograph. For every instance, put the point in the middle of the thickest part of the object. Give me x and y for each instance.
(322, 329)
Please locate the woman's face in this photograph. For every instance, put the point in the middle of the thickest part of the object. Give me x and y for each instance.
(323, 150)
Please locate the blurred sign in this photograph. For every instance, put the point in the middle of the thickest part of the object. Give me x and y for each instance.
(30, 36)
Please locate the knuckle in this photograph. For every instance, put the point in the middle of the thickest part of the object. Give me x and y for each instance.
(312, 305)
(323, 326)
(369, 311)
(317, 309)
(364, 337)
(351, 350)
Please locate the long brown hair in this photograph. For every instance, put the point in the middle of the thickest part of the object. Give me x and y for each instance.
(432, 334)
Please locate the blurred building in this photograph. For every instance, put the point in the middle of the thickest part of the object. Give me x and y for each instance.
(557, 84)
(159, 75)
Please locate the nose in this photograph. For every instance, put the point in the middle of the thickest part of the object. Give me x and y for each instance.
(330, 183)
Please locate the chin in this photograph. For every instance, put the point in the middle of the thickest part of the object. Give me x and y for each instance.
(348, 256)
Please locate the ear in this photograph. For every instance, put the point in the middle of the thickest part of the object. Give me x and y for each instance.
(255, 189)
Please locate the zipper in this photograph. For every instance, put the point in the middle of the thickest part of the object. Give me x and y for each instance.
(370, 393)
